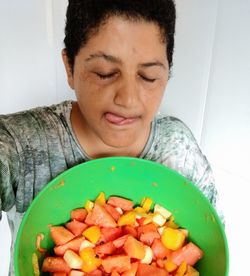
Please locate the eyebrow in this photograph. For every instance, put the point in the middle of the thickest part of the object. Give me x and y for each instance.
(150, 64)
(104, 56)
(114, 59)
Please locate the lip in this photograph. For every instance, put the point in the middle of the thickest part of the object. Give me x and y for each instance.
(120, 120)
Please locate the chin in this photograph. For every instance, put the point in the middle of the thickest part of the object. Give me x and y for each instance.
(116, 141)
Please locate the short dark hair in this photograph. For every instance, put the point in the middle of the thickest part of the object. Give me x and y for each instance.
(84, 17)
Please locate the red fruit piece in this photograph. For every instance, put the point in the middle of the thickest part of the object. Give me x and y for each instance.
(120, 241)
(112, 211)
(159, 250)
(60, 235)
(73, 245)
(151, 227)
(99, 216)
(76, 227)
(134, 248)
(132, 271)
(105, 249)
(55, 264)
(110, 234)
(118, 263)
(149, 237)
(78, 214)
(96, 272)
(149, 270)
(190, 253)
(128, 229)
(123, 203)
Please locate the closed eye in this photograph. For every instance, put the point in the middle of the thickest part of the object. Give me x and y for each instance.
(105, 76)
(147, 79)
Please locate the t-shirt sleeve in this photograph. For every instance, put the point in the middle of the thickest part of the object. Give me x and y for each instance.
(8, 170)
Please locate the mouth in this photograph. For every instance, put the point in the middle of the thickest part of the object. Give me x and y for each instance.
(120, 120)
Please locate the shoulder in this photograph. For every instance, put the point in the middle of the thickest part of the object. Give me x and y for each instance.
(34, 115)
(172, 129)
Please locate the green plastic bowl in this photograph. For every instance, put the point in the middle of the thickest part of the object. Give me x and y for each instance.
(134, 179)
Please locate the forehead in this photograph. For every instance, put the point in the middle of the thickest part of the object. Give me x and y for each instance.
(124, 36)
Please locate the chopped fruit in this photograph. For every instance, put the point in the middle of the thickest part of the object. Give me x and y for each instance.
(182, 269)
(134, 248)
(191, 271)
(90, 262)
(86, 244)
(172, 238)
(78, 214)
(158, 219)
(146, 204)
(89, 205)
(72, 259)
(148, 255)
(119, 263)
(124, 204)
(76, 227)
(163, 211)
(170, 266)
(73, 245)
(76, 273)
(159, 250)
(190, 253)
(109, 237)
(113, 211)
(110, 233)
(60, 235)
(100, 217)
(101, 199)
(93, 234)
(55, 264)
(145, 269)
(127, 219)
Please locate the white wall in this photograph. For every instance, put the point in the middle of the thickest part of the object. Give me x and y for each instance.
(209, 90)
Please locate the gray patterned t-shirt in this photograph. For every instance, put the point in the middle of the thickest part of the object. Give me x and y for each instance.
(38, 144)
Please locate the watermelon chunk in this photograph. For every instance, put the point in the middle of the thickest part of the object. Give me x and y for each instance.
(112, 211)
(55, 264)
(118, 263)
(123, 203)
(159, 250)
(149, 237)
(78, 214)
(190, 253)
(110, 234)
(76, 227)
(60, 235)
(73, 245)
(145, 269)
(105, 249)
(134, 248)
(99, 216)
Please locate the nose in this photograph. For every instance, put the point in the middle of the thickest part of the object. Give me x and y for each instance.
(127, 94)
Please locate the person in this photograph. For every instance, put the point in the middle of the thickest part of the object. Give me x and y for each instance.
(118, 56)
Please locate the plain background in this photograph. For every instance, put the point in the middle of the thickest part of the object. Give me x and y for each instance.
(209, 90)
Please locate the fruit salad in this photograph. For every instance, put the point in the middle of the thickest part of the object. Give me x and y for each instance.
(114, 237)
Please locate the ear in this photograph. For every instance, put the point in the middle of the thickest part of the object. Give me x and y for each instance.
(68, 69)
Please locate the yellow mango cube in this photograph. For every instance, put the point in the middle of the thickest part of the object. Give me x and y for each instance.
(172, 238)
(93, 234)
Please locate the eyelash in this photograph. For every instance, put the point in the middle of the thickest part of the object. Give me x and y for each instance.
(147, 79)
(108, 76)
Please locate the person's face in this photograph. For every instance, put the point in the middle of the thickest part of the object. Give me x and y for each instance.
(119, 80)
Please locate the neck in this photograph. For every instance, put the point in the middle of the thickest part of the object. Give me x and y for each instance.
(94, 147)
